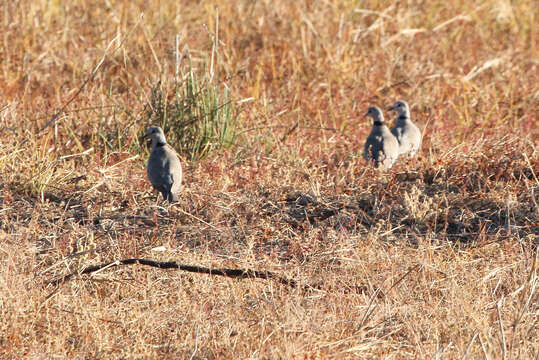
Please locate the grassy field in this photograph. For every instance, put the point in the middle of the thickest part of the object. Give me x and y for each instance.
(435, 258)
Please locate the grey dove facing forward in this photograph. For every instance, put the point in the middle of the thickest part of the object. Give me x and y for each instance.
(406, 132)
(381, 147)
(164, 168)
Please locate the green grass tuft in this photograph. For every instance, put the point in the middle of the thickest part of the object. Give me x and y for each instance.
(197, 115)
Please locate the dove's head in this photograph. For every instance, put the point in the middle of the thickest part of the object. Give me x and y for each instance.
(376, 114)
(401, 107)
(156, 134)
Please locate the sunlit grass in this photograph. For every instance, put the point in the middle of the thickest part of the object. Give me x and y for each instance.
(264, 101)
(197, 115)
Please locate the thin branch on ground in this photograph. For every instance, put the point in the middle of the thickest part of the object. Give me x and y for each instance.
(226, 272)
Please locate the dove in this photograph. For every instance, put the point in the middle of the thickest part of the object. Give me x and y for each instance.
(164, 168)
(406, 132)
(381, 146)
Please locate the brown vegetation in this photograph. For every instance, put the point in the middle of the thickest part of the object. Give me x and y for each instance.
(435, 258)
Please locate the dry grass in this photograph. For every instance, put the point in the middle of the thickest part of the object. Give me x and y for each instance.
(436, 258)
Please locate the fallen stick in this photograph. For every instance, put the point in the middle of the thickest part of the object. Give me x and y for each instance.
(231, 273)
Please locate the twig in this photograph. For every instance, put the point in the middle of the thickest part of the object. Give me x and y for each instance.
(232, 273)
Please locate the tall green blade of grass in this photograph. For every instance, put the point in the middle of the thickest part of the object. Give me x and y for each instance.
(197, 115)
